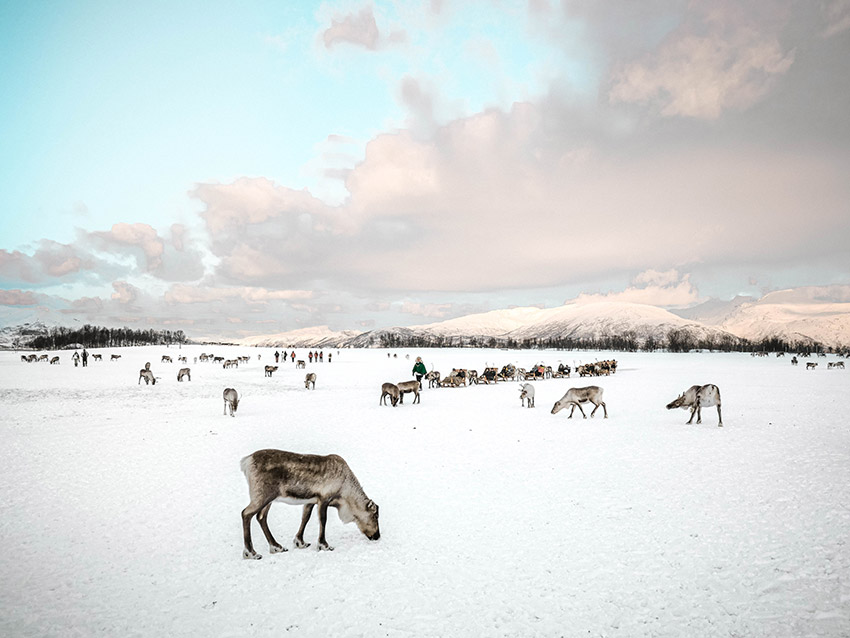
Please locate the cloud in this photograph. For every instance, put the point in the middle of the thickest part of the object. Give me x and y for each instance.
(359, 29)
(666, 289)
(182, 294)
(17, 298)
(836, 16)
(125, 238)
(719, 60)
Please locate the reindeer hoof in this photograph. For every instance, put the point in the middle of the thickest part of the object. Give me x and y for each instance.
(324, 547)
(252, 555)
(276, 549)
(301, 544)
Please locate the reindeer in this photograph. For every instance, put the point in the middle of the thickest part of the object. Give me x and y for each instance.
(526, 391)
(54, 360)
(576, 396)
(97, 357)
(310, 379)
(231, 400)
(433, 379)
(308, 480)
(166, 359)
(408, 386)
(115, 357)
(42, 357)
(300, 364)
(184, 372)
(270, 370)
(389, 390)
(811, 365)
(146, 374)
(697, 397)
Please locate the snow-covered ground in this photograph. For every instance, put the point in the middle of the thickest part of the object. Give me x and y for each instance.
(121, 502)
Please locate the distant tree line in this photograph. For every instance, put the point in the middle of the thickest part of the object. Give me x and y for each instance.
(676, 340)
(99, 337)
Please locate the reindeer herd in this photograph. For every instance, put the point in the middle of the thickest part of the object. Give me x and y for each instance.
(325, 482)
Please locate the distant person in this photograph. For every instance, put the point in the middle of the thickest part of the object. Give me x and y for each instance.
(322, 357)
(292, 356)
(330, 354)
(419, 371)
(276, 356)
(85, 357)
(76, 358)
(310, 356)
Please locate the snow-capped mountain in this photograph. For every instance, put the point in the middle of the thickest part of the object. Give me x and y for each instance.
(315, 337)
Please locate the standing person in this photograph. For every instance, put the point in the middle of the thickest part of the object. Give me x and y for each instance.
(76, 358)
(85, 358)
(330, 354)
(322, 357)
(419, 370)
(293, 356)
(276, 356)
(310, 356)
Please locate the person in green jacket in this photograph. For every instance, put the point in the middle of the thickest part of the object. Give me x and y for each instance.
(419, 370)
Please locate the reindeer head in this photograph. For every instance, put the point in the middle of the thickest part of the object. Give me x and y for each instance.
(558, 407)
(367, 521)
(677, 403)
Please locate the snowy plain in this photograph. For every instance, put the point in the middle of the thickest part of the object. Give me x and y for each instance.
(121, 502)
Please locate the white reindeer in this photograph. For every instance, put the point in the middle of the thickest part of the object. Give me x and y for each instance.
(309, 380)
(184, 372)
(697, 397)
(526, 392)
(576, 396)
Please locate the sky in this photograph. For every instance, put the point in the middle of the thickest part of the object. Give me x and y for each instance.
(237, 169)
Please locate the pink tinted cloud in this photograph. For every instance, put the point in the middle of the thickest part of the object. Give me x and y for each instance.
(723, 58)
(17, 298)
(359, 29)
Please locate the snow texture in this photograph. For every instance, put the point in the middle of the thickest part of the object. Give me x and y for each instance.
(121, 502)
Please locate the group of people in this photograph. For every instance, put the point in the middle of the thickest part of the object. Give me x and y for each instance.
(318, 357)
(76, 357)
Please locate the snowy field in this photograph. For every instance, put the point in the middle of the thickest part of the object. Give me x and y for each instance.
(121, 502)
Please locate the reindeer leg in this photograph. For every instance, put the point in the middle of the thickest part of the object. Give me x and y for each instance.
(699, 414)
(247, 514)
(323, 519)
(305, 516)
(693, 412)
(262, 519)
(719, 417)
(572, 409)
(580, 409)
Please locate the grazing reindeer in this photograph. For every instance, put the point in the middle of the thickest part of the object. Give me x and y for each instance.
(146, 374)
(184, 372)
(811, 365)
(54, 360)
(310, 379)
(308, 480)
(526, 391)
(270, 370)
(408, 386)
(97, 357)
(231, 400)
(300, 364)
(576, 396)
(115, 357)
(697, 397)
(166, 359)
(389, 390)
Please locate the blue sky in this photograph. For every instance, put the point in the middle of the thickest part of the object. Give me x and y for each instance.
(277, 158)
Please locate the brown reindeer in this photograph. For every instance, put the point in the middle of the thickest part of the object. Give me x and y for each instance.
(308, 480)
